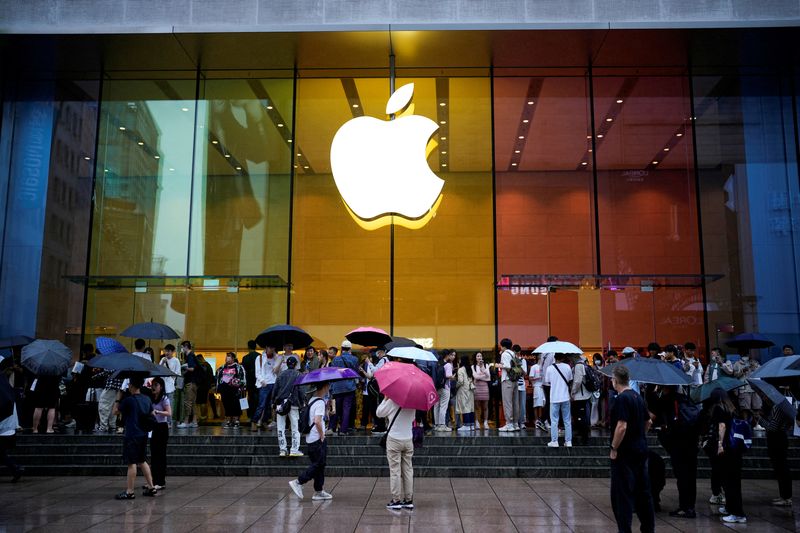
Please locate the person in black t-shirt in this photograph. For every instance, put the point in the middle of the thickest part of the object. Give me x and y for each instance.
(630, 483)
(134, 445)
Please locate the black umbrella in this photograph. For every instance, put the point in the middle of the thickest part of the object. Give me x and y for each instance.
(127, 365)
(774, 396)
(150, 330)
(368, 336)
(784, 366)
(749, 341)
(15, 340)
(6, 398)
(282, 334)
(650, 371)
(46, 357)
(401, 342)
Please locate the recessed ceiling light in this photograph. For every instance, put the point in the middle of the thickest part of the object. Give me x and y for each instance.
(238, 168)
(609, 119)
(305, 166)
(666, 149)
(122, 128)
(299, 155)
(140, 143)
(444, 164)
(214, 142)
(87, 158)
(157, 156)
(521, 137)
(600, 136)
(288, 140)
(269, 107)
(584, 163)
(590, 150)
(355, 106)
(443, 138)
(171, 169)
(679, 135)
(442, 104)
(228, 156)
(513, 164)
(184, 109)
(516, 151)
(655, 162)
(530, 102)
(295, 166)
(444, 152)
(442, 122)
(588, 136)
(280, 125)
(105, 170)
(525, 121)
(619, 100)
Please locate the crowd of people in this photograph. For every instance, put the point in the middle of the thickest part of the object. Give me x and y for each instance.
(508, 390)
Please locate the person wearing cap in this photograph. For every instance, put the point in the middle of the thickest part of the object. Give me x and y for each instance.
(629, 353)
(286, 393)
(344, 391)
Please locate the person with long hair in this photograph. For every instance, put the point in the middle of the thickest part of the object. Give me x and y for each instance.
(481, 378)
(722, 413)
(465, 395)
(162, 409)
(230, 381)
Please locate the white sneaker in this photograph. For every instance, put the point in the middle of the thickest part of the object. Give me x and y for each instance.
(780, 502)
(758, 427)
(297, 488)
(463, 429)
(183, 425)
(733, 519)
(522, 426)
(506, 428)
(552, 444)
(568, 444)
(193, 425)
(282, 453)
(723, 511)
(516, 427)
(718, 499)
(298, 453)
(321, 495)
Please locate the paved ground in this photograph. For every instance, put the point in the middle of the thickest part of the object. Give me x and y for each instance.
(267, 504)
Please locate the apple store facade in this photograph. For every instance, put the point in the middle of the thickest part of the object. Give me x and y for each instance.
(608, 187)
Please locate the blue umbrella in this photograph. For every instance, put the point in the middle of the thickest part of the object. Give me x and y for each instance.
(650, 371)
(150, 330)
(107, 345)
(15, 340)
(779, 367)
(282, 334)
(126, 365)
(748, 341)
(46, 357)
(701, 393)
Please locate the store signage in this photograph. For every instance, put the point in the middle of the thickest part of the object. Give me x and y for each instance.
(380, 167)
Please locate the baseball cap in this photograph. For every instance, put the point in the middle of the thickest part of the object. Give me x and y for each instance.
(346, 344)
(628, 349)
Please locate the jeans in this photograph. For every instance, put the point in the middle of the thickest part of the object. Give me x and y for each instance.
(510, 402)
(105, 409)
(294, 417)
(777, 448)
(401, 472)
(264, 409)
(318, 453)
(344, 406)
(441, 408)
(522, 414)
(630, 490)
(158, 453)
(560, 410)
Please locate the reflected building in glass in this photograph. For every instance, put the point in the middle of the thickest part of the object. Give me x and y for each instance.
(609, 187)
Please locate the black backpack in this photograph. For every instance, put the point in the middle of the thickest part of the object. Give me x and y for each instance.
(439, 378)
(304, 424)
(591, 379)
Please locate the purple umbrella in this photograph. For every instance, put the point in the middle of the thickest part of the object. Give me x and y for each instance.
(329, 373)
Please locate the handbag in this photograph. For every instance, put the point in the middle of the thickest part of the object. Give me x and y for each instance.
(283, 407)
(382, 442)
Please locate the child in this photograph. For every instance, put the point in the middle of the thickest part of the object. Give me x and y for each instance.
(317, 447)
(535, 375)
(134, 444)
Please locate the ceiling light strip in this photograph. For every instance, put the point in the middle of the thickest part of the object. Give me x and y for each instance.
(675, 138)
(529, 107)
(443, 119)
(353, 99)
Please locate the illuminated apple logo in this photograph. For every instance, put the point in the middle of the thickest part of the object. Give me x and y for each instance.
(380, 167)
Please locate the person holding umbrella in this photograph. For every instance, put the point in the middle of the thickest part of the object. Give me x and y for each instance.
(778, 425)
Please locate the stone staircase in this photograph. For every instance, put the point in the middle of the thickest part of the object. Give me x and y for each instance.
(248, 454)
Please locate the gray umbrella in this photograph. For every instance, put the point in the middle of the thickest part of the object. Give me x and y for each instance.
(46, 357)
(775, 396)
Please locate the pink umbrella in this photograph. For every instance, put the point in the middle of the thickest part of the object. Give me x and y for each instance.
(367, 336)
(408, 386)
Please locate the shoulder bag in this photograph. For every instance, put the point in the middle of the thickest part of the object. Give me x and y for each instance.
(382, 442)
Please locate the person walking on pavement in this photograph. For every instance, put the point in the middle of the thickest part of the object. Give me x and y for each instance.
(630, 483)
(317, 447)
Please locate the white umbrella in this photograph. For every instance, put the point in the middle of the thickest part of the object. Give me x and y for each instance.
(413, 353)
(558, 347)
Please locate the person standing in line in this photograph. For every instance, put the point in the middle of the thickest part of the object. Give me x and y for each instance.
(253, 395)
(267, 367)
(599, 411)
(399, 451)
(630, 483)
(139, 350)
(535, 377)
(106, 403)
(230, 382)
(344, 391)
(465, 395)
(509, 387)
(778, 425)
(8, 435)
(722, 414)
(173, 365)
(311, 360)
(287, 401)
(317, 447)
(547, 360)
(691, 364)
(369, 394)
(714, 367)
(559, 376)
(441, 408)
(522, 387)
(134, 444)
(190, 385)
(481, 376)
(749, 402)
(378, 423)
(580, 400)
(210, 384)
(162, 409)
(45, 393)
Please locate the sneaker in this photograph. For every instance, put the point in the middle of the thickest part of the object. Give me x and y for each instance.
(376, 433)
(718, 499)
(780, 502)
(522, 426)
(297, 488)
(547, 425)
(408, 504)
(516, 427)
(125, 495)
(120, 431)
(540, 426)
(506, 428)
(394, 504)
(463, 429)
(282, 453)
(552, 444)
(442, 428)
(321, 495)
(723, 510)
(758, 427)
(568, 444)
(71, 424)
(273, 425)
(680, 513)
(298, 453)
(184, 425)
(733, 519)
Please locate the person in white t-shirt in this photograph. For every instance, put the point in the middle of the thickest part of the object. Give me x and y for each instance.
(174, 365)
(399, 451)
(692, 365)
(138, 346)
(509, 388)
(559, 376)
(521, 387)
(535, 376)
(317, 447)
(268, 366)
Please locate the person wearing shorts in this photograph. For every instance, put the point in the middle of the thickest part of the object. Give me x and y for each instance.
(535, 375)
(134, 445)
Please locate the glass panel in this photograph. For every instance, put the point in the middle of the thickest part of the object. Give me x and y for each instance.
(144, 168)
(340, 271)
(746, 150)
(444, 270)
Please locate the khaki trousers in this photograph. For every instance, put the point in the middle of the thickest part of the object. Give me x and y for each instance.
(401, 473)
(510, 402)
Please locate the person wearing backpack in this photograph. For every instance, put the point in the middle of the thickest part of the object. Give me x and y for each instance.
(678, 419)
(312, 424)
(723, 414)
(509, 387)
(581, 383)
(135, 410)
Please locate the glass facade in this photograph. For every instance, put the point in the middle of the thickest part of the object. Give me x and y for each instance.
(605, 205)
